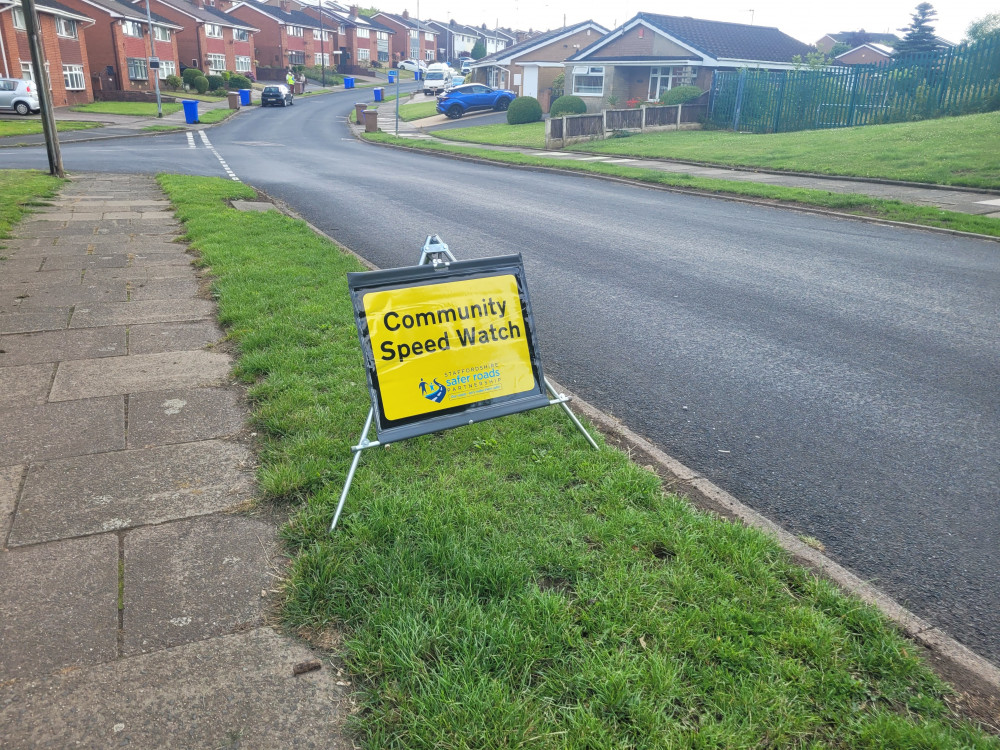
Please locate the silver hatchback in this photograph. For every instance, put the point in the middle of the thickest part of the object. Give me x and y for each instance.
(19, 96)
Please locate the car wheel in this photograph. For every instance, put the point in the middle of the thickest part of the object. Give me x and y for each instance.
(22, 109)
(454, 112)
(503, 104)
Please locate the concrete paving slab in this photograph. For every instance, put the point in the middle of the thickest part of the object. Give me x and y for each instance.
(148, 311)
(58, 607)
(229, 692)
(70, 428)
(10, 483)
(76, 248)
(13, 280)
(25, 385)
(169, 258)
(153, 289)
(171, 337)
(13, 264)
(194, 579)
(67, 295)
(71, 262)
(25, 321)
(137, 272)
(87, 378)
(183, 416)
(54, 346)
(83, 495)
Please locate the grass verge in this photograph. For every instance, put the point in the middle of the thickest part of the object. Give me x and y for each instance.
(19, 190)
(163, 128)
(134, 109)
(527, 135)
(503, 585)
(850, 203)
(34, 127)
(215, 115)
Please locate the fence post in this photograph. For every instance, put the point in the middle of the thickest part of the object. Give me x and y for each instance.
(642, 120)
(739, 99)
(679, 108)
(548, 133)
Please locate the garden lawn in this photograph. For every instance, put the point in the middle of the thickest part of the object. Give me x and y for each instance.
(504, 585)
(136, 109)
(528, 135)
(19, 190)
(33, 127)
(415, 111)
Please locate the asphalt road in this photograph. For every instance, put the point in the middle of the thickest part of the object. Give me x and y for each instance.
(840, 377)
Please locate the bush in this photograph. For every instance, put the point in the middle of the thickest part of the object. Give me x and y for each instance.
(237, 81)
(680, 95)
(173, 82)
(568, 105)
(524, 109)
(190, 74)
(216, 82)
(201, 84)
(558, 86)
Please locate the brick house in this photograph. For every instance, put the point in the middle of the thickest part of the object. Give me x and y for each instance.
(871, 53)
(412, 38)
(651, 53)
(287, 36)
(64, 43)
(529, 68)
(455, 40)
(360, 41)
(210, 40)
(118, 45)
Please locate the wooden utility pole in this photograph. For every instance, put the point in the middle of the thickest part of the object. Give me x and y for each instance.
(44, 89)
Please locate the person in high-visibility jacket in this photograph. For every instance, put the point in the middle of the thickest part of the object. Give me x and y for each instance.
(290, 80)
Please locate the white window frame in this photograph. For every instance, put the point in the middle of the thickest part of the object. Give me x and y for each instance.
(73, 78)
(672, 75)
(19, 19)
(216, 62)
(588, 71)
(167, 68)
(213, 31)
(341, 30)
(161, 33)
(66, 27)
(241, 35)
(138, 66)
(364, 54)
(131, 28)
(27, 72)
(296, 31)
(428, 36)
(244, 64)
(363, 33)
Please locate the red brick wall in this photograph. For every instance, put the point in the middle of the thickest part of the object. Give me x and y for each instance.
(56, 49)
(267, 42)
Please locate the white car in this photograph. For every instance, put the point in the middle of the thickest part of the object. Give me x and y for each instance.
(19, 95)
(412, 65)
(436, 80)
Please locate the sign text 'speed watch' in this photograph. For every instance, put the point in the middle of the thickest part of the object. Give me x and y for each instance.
(443, 345)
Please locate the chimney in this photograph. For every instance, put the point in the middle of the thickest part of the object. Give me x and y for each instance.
(283, 5)
(406, 14)
(354, 11)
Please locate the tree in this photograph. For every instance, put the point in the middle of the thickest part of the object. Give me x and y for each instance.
(919, 35)
(368, 12)
(984, 28)
(478, 50)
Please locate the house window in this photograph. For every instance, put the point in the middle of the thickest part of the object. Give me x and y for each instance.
(362, 33)
(321, 59)
(131, 28)
(243, 64)
(18, 18)
(27, 73)
(66, 27)
(137, 69)
(341, 30)
(383, 56)
(429, 55)
(364, 54)
(241, 35)
(588, 80)
(428, 36)
(213, 30)
(73, 78)
(216, 63)
(167, 68)
(161, 33)
(665, 78)
(296, 57)
(296, 31)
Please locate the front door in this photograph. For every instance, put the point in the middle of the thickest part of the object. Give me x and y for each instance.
(530, 87)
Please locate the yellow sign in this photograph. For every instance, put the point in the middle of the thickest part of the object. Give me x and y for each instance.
(451, 344)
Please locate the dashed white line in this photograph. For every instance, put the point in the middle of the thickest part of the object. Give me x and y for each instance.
(190, 136)
(210, 147)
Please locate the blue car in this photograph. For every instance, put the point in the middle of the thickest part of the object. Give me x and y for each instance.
(471, 96)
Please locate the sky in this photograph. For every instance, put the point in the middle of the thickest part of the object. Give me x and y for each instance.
(806, 21)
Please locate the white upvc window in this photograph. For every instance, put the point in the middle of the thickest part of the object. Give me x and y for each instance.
(364, 54)
(321, 58)
(243, 64)
(241, 35)
(27, 72)
(316, 35)
(137, 69)
(213, 30)
(588, 80)
(19, 19)
(73, 78)
(66, 27)
(296, 31)
(161, 33)
(363, 33)
(341, 30)
(167, 68)
(428, 36)
(665, 78)
(216, 62)
(131, 28)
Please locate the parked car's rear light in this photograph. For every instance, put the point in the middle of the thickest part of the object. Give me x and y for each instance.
(28, 89)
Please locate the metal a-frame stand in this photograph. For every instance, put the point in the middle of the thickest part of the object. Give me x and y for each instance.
(435, 252)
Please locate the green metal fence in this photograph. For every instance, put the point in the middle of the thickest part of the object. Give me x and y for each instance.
(960, 80)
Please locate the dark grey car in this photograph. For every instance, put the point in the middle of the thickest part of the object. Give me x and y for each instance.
(276, 96)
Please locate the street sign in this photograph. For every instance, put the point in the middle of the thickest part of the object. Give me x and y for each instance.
(154, 63)
(447, 345)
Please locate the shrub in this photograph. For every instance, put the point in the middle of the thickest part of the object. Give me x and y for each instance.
(201, 84)
(216, 82)
(558, 85)
(190, 74)
(680, 95)
(568, 105)
(237, 81)
(524, 109)
(173, 82)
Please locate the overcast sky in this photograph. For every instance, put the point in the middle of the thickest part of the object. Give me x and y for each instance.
(806, 21)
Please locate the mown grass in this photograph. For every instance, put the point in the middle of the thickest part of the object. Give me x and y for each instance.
(19, 189)
(164, 128)
(34, 127)
(417, 111)
(134, 109)
(215, 115)
(503, 585)
(527, 135)
(851, 203)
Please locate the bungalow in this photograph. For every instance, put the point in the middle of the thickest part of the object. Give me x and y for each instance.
(412, 38)
(651, 53)
(287, 36)
(841, 41)
(61, 31)
(529, 68)
(118, 45)
(210, 39)
(871, 53)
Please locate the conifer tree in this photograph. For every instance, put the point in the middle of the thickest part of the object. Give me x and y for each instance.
(919, 35)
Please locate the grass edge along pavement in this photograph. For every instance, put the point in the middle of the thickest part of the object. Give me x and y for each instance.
(502, 584)
(20, 189)
(846, 203)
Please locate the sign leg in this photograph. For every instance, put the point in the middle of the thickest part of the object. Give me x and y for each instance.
(561, 400)
(362, 444)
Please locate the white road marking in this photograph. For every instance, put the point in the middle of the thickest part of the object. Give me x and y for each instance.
(210, 147)
(190, 136)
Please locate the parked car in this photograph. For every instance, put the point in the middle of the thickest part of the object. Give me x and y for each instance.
(412, 65)
(467, 66)
(436, 80)
(456, 80)
(19, 95)
(276, 96)
(472, 96)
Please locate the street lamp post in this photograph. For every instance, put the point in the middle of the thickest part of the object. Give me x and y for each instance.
(322, 49)
(155, 72)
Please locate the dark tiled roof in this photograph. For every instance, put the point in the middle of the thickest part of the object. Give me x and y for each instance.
(133, 12)
(210, 15)
(857, 38)
(736, 41)
(51, 5)
(294, 17)
(545, 36)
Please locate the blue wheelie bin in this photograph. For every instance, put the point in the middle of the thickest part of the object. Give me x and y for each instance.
(190, 111)
(348, 82)
(378, 93)
(245, 97)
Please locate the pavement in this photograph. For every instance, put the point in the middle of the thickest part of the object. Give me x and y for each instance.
(138, 574)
